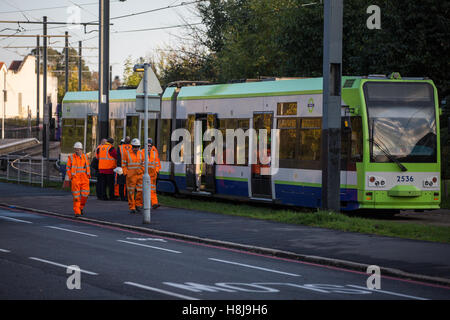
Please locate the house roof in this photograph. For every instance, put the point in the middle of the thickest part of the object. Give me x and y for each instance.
(15, 65)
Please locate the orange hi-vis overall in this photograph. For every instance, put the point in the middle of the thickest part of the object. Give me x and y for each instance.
(154, 166)
(79, 172)
(133, 168)
(105, 161)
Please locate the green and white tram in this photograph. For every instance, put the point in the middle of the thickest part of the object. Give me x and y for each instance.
(390, 156)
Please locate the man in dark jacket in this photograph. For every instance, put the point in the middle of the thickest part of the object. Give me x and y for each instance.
(107, 162)
(121, 179)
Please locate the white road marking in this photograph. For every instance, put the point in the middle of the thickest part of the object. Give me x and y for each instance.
(4, 250)
(255, 267)
(147, 239)
(160, 291)
(387, 292)
(15, 220)
(62, 265)
(86, 234)
(147, 246)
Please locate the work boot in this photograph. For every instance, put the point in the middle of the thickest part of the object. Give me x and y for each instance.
(139, 209)
(155, 206)
(132, 211)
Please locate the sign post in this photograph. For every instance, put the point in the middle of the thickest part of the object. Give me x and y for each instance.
(147, 87)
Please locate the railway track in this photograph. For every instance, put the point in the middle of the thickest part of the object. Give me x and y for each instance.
(24, 164)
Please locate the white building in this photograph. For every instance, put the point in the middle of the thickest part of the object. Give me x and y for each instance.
(18, 84)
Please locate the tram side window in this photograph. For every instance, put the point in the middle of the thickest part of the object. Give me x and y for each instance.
(234, 124)
(288, 142)
(351, 142)
(310, 140)
(287, 108)
(151, 129)
(116, 130)
(164, 148)
(72, 131)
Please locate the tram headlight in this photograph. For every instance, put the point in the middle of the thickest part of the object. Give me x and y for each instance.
(430, 182)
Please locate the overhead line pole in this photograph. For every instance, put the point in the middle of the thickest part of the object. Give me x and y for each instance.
(103, 82)
(79, 65)
(47, 109)
(66, 61)
(38, 76)
(331, 121)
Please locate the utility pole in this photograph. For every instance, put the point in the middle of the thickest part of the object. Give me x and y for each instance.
(66, 60)
(79, 65)
(331, 122)
(45, 127)
(47, 109)
(38, 73)
(103, 81)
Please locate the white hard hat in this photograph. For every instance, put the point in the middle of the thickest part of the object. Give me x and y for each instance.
(135, 142)
(78, 145)
(118, 170)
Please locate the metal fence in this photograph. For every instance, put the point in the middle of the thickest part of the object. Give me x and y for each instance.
(29, 169)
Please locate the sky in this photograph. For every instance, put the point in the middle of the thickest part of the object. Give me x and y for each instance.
(122, 44)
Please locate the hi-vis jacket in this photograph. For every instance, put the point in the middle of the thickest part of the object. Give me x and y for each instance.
(105, 161)
(78, 166)
(153, 161)
(133, 163)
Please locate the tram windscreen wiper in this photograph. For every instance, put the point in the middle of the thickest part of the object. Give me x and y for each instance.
(389, 155)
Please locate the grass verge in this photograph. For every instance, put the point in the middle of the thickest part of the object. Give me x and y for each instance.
(322, 219)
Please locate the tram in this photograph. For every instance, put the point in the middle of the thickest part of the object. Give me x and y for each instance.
(390, 154)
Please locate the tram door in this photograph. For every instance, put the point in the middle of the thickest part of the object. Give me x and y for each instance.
(91, 134)
(200, 176)
(261, 179)
(132, 126)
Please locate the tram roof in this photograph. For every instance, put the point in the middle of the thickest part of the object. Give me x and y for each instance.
(92, 96)
(253, 89)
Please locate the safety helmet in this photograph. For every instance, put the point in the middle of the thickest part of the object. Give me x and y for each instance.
(135, 142)
(78, 145)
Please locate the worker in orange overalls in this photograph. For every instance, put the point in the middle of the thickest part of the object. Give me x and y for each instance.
(133, 168)
(79, 173)
(121, 179)
(154, 166)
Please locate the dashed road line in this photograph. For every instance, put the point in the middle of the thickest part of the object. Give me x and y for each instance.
(15, 220)
(61, 265)
(147, 246)
(4, 250)
(255, 267)
(68, 230)
(173, 294)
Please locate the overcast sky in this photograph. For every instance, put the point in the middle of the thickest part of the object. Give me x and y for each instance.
(123, 44)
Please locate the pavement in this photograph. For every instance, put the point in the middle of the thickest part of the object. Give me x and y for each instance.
(410, 259)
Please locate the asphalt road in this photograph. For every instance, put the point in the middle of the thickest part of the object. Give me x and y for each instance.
(36, 251)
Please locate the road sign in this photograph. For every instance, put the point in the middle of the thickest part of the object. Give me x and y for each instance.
(153, 90)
